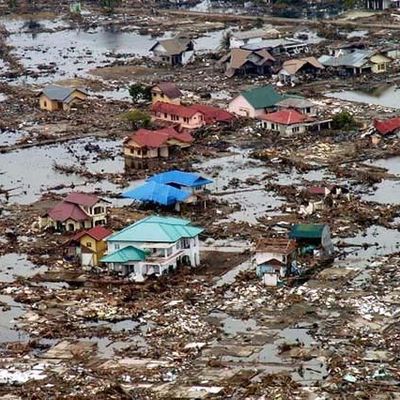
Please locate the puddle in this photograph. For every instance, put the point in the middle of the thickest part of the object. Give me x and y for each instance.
(253, 199)
(13, 264)
(30, 171)
(384, 95)
(387, 240)
(120, 326)
(8, 333)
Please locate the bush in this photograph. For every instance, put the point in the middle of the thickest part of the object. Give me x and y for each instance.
(137, 119)
(343, 120)
(140, 93)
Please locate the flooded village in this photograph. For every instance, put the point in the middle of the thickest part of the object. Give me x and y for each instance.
(199, 199)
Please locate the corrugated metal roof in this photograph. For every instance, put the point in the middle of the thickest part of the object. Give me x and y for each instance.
(356, 59)
(180, 178)
(307, 231)
(129, 253)
(156, 230)
(59, 93)
(262, 97)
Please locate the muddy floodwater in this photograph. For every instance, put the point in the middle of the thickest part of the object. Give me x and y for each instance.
(383, 95)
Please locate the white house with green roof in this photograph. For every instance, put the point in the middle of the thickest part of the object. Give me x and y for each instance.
(256, 102)
(153, 246)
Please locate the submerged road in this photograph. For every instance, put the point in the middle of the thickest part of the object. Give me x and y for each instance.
(280, 21)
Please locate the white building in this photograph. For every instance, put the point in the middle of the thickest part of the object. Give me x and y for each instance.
(154, 245)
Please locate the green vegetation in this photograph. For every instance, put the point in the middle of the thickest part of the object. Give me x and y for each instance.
(137, 118)
(140, 93)
(343, 120)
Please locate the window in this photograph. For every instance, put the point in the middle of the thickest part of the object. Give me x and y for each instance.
(165, 115)
(88, 244)
(98, 210)
(45, 103)
(296, 129)
(185, 243)
(144, 152)
(116, 246)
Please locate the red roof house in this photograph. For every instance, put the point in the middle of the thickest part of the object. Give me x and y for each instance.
(387, 126)
(97, 233)
(145, 143)
(286, 121)
(190, 117)
(76, 211)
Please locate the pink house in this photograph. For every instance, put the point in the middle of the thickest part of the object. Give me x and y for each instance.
(186, 117)
(256, 102)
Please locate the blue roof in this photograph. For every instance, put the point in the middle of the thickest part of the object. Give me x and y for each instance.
(180, 178)
(156, 230)
(153, 192)
(129, 253)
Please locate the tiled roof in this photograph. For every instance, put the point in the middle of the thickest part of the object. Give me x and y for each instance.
(155, 139)
(64, 211)
(169, 89)
(82, 199)
(213, 114)
(97, 233)
(285, 117)
(173, 109)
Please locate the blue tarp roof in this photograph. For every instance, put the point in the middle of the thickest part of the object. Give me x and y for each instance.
(180, 178)
(153, 192)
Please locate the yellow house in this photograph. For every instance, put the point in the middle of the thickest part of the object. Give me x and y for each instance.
(92, 245)
(54, 98)
(166, 92)
(379, 63)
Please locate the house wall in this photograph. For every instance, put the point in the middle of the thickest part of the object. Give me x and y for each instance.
(379, 64)
(157, 95)
(138, 152)
(158, 256)
(196, 121)
(284, 130)
(49, 105)
(99, 248)
(240, 106)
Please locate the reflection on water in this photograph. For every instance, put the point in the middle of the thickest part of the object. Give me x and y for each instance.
(383, 95)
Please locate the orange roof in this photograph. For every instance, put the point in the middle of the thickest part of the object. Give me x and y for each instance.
(156, 139)
(285, 117)
(174, 109)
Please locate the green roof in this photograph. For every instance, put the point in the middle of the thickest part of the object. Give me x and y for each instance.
(126, 254)
(157, 230)
(307, 231)
(262, 97)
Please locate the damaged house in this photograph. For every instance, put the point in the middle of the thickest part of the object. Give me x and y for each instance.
(166, 92)
(190, 117)
(314, 239)
(147, 144)
(77, 211)
(175, 51)
(153, 246)
(357, 63)
(241, 38)
(255, 102)
(172, 188)
(88, 246)
(294, 70)
(275, 259)
(240, 62)
(55, 98)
